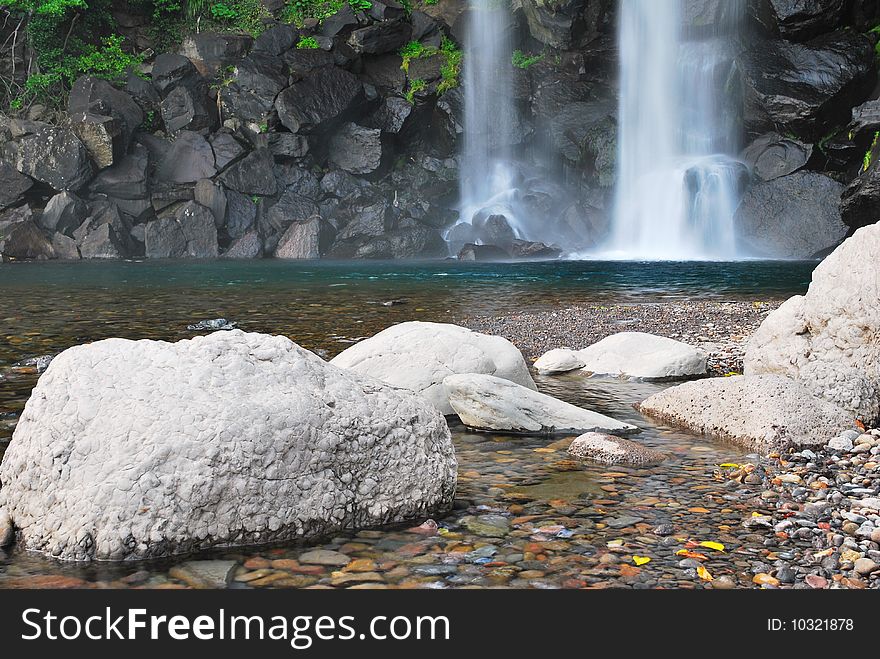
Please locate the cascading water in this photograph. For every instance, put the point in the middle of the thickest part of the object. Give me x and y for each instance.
(678, 180)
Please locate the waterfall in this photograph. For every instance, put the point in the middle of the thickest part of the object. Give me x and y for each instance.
(678, 178)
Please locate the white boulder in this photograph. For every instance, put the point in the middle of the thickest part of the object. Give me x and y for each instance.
(558, 360)
(762, 412)
(643, 356)
(418, 356)
(485, 402)
(137, 449)
(829, 339)
(611, 450)
(7, 532)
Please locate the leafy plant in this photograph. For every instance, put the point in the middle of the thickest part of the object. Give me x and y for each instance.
(360, 5)
(869, 154)
(522, 61)
(307, 43)
(451, 67)
(298, 11)
(223, 12)
(415, 86)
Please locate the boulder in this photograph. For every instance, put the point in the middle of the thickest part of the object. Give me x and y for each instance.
(65, 247)
(191, 232)
(533, 251)
(226, 149)
(859, 201)
(276, 40)
(385, 72)
(865, 122)
(323, 98)
(171, 70)
(21, 238)
(248, 246)
(485, 402)
(127, 178)
(801, 20)
(472, 252)
(189, 159)
(256, 81)
(611, 450)
(558, 360)
(213, 197)
(794, 217)
(568, 24)
(828, 339)
(287, 146)
(806, 88)
(241, 214)
(585, 134)
(64, 213)
(402, 243)
(211, 52)
(759, 412)
(104, 118)
(356, 149)
(772, 155)
(302, 61)
(104, 234)
(7, 531)
(301, 240)
(383, 37)
(52, 155)
(141, 449)
(418, 356)
(643, 356)
(290, 208)
(13, 185)
(252, 175)
(187, 109)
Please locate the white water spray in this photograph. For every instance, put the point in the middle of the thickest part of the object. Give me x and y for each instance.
(678, 180)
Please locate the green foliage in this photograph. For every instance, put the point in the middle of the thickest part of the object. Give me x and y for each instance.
(307, 43)
(414, 50)
(431, 2)
(869, 154)
(522, 61)
(223, 12)
(297, 11)
(415, 86)
(451, 67)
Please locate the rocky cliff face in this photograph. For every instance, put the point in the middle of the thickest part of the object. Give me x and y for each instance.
(332, 141)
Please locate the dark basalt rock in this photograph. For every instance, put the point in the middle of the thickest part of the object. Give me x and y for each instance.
(323, 98)
(343, 185)
(171, 70)
(865, 123)
(305, 240)
(524, 249)
(64, 213)
(105, 234)
(213, 197)
(391, 116)
(772, 155)
(292, 176)
(386, 10)
(252, 175)
(340, 22)
(210, 52)
(482, 253)
(65, 247)
(302, 61)
(291, 207)
(385, 73)
(356, 149)
(248, 246)
(127, 179)
(567, 24)
(408, 242)
(806, 88)
(276, 40)
(494, 230)
(241, 215)
(189, 159)
(801, 20)
(585, 134)
(226, 149)
(13, 185)
(191, 232)
(21, 238)
(187, 109)
(860, 202)
(256, 82)
(794, 216)
(378, 38)
(53, 155)
(287, 146)
(104, 118)
(370, 220)
(422, 25)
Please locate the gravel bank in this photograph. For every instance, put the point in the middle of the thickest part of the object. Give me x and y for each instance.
(719, 328)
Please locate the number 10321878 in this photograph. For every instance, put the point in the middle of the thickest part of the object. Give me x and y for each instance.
(810, 625)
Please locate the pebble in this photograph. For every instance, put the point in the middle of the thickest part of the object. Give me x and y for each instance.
(865, 566)
(324, 557)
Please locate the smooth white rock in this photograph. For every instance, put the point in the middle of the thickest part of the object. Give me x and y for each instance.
(7, 532)
(136, 449)
(643, 356)
(558, 360)
(611, 450)
(840, 443)
(418, 356)
(829, 339)
(485, 402)
(762, 412)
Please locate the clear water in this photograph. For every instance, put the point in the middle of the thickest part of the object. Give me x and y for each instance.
(47, 307)
(678, 178)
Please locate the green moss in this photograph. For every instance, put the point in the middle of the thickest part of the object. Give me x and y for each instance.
(415, 86)
(451, 67)
(522, 61)
(869, 154)
(307, 43)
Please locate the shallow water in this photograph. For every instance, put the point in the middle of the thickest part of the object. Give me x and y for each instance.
(325, 306)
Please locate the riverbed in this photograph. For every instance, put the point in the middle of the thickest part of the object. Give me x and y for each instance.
(525, 514)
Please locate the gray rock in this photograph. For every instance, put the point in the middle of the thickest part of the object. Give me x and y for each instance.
(53, 155)
(795, 216)
(191, 232)
(252, 175)
(772, 155)
(325, 557)
(65, 247)
(301, 240)
(324, 96)
(247, 246)
(195, 444)
(761, 412)
(611, 450)
(356, 149)
(13, 185)
(205, 574)
(189, 159)
(64, 213)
